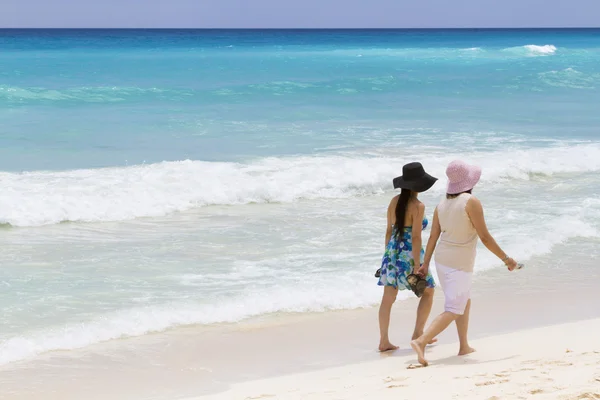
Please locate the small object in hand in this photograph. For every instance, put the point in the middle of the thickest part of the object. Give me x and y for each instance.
(520, 266)
(378, 273)
(417, 284)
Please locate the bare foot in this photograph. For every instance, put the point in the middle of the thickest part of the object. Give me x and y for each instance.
(464, 352)
(383, 347)
(432, 341)
(420, 350)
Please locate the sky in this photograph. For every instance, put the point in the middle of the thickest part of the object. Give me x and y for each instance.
(298, 13)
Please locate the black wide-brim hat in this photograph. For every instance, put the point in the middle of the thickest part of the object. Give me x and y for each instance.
(414, 178)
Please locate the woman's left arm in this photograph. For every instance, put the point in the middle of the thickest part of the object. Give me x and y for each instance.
(388, 229)
(436, 231)
(417, 230)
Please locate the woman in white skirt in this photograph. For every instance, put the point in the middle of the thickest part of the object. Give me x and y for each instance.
(457, 222)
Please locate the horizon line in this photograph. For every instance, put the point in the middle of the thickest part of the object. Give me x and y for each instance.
(306, 29)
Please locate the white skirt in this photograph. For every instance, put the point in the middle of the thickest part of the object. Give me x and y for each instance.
(456, 285)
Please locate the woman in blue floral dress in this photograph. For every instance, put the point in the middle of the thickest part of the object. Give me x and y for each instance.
(399, 260)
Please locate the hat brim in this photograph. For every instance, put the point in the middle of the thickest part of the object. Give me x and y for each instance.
(476, 175)
(473, 177)
(422, 184)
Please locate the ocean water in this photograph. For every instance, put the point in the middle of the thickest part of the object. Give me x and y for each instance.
(154, 179)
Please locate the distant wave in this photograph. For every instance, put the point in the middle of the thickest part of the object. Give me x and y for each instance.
(314, 85)
(546, 49)
(570, 78)
(533, 50)
(438, 53)
(86, 94)
(123, 193)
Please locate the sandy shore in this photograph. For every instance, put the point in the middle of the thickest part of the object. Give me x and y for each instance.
(557, 362)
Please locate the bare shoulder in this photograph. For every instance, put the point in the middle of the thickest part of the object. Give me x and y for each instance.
(415, 208)
(393, 203)
(474, 204)
(419, 207)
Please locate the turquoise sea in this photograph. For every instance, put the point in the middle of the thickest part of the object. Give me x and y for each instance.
(157, 178)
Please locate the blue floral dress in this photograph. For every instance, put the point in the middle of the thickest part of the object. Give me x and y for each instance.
(398, 263)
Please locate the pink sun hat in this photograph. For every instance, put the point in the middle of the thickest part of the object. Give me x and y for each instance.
(462, 176)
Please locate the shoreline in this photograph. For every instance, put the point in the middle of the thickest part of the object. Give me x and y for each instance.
(546, 273)
(192, 361)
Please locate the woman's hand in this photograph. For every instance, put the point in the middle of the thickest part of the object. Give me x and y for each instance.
(423, 270)
(511, 264)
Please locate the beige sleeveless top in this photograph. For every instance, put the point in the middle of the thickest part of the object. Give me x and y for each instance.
(458, 242)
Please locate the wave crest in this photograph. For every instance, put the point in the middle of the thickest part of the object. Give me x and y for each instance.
(570, 78)
(546, 49)
(115, 194)
(83, 94)
(533, 50)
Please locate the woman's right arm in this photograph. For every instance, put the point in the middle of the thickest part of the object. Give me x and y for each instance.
(475, 211)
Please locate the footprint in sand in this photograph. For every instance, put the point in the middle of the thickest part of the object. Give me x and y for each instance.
(536, 391)
(488, 383)
(395, 386)
(588, 395)
(389, 379)
(590, 352)
(558, 363)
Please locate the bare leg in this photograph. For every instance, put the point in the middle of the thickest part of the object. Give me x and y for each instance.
(462, 325)
(385, 309)
(438, 325)
(423, 312)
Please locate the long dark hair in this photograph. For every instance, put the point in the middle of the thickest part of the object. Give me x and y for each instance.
(401, 211)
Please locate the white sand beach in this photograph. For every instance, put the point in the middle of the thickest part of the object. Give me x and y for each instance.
(558, 362)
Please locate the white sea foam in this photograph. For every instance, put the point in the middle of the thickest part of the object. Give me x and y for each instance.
(532, 50)
(318, 296)
(546, 49)
(525, 233)
(301, 292)
(570, 78)
(89, 94)
(116, 194)
(355, 288)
